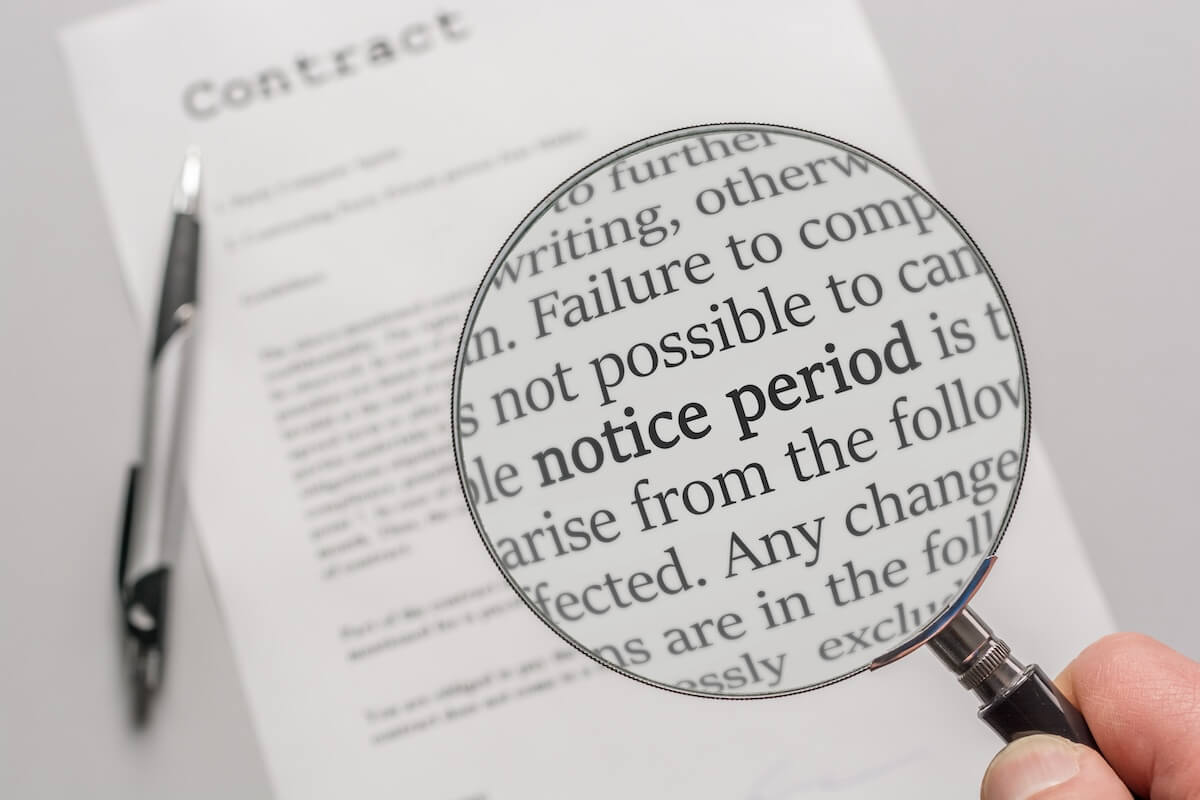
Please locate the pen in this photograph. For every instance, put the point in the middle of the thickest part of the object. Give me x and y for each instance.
(154, 505)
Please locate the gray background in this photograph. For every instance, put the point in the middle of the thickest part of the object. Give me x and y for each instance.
(1063, 134)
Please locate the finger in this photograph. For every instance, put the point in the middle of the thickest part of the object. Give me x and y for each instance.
(1049, 768)
(1142, 702)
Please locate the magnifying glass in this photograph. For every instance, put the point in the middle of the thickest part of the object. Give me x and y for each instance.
(742, 411)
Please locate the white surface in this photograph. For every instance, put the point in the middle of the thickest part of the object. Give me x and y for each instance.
(319, 711)
(1054, 133)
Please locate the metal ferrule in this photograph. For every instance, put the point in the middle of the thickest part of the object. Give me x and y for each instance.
(983, 663)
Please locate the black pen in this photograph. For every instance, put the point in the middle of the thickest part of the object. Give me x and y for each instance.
(155, 508)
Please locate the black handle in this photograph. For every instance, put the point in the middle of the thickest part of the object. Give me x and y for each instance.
(1035, 705)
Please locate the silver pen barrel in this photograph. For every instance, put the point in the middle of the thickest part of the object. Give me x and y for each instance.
(156, 507)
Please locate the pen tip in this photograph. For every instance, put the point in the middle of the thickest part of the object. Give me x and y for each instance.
(187, 194)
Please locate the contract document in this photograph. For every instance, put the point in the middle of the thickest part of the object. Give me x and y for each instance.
(364, 160)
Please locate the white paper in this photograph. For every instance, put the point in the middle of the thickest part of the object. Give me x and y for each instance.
(346, 221)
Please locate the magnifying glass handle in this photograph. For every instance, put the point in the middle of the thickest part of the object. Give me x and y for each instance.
(1018, 700)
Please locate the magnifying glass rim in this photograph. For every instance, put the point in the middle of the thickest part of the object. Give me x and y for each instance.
(536, 214)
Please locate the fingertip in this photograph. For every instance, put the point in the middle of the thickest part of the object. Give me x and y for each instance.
(1103, 651)
(1094, 664)
(1029, 765)
(1044, 767)
(1121, 646)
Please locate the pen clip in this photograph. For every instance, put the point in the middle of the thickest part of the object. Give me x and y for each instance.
(131, 484)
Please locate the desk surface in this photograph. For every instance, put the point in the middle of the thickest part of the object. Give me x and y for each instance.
(1062, 136)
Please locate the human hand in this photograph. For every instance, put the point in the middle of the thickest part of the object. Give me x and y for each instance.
(1142, 702)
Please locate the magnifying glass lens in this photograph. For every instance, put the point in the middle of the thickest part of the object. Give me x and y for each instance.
(740, 410)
